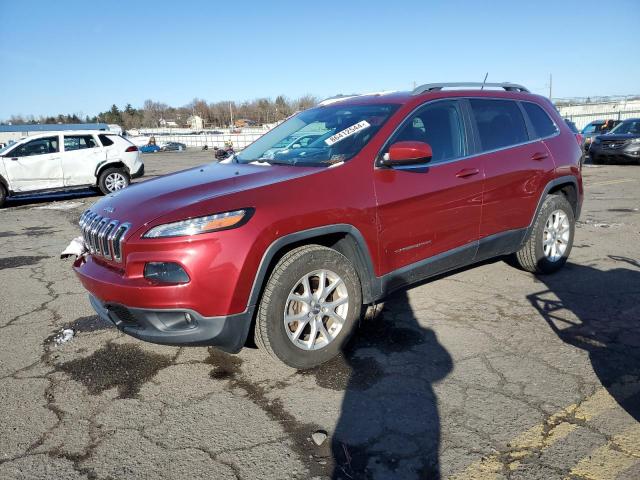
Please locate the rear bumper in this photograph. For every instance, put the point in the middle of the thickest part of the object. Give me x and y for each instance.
(177, 326)
(139, 173)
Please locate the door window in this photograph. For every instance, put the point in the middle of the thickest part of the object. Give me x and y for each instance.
(78, 142)
(542, 124)
(500, 123)
(440, 125)
(40, 146)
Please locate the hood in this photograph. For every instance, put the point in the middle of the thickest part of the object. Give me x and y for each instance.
(146, 201)
(619, 136)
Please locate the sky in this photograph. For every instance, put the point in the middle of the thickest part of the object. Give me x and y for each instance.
(81, 56)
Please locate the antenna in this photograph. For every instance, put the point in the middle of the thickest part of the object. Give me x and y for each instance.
(484, 81)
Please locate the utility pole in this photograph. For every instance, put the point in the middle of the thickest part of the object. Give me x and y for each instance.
(231, 113)
(550, 86)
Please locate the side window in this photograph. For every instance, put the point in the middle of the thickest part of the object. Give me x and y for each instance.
(105, 140)
(440, 125)
(41, 146)
(542, 124)
(78, 142)
(500, 123)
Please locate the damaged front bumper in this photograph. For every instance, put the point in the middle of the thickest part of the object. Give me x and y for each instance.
(177, 326)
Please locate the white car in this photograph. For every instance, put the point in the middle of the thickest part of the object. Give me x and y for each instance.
(66, 160)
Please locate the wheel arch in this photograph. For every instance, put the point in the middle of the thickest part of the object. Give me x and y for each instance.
(566, 185)
(103, 166)
(343, 238)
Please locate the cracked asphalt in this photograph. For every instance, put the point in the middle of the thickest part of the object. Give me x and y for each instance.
(484, 373)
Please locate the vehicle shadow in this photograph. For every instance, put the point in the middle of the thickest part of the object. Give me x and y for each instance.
(599, 312)
(389, 426)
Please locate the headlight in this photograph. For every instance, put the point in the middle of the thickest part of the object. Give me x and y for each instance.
(635, 140)
(195, 226)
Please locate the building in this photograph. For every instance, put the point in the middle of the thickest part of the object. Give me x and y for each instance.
(16, 132)
(195, 122)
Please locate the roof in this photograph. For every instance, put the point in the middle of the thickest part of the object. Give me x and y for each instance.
(52, 127)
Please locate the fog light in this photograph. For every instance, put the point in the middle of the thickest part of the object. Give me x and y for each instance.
(165, 272)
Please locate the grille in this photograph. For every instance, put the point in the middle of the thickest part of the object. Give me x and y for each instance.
(104, 237)
(613, 143)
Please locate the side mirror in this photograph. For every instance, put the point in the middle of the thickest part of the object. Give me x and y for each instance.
(407, 153)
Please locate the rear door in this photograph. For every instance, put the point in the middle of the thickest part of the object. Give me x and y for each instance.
(432, 208)
(517, 165)
(35, 165)
(82, 154)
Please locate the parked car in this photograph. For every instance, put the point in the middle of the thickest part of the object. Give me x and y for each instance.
(400, 187)
(620, 145)
(149, 148)
(597, 127)
(173, 147)
(291, 142)
(66, 160)
(572, 126)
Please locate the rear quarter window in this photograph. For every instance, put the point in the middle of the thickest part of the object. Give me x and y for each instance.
(543, 126)
(105, 140)
(500, 123)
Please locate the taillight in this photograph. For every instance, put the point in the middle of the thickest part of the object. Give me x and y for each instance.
(579, 138)
(132, 148)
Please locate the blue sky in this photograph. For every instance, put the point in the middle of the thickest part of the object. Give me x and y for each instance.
(81, 56)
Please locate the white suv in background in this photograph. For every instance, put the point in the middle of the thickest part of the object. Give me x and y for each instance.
(66, 160)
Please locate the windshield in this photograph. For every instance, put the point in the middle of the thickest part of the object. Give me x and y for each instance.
(632, 126)
(7, 146)
(332, 134)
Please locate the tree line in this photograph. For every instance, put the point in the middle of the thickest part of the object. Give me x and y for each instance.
(154, 114)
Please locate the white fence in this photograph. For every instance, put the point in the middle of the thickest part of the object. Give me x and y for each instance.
(239, 141)
(584, 113)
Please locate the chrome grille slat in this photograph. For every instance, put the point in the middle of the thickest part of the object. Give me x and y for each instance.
(104, 237)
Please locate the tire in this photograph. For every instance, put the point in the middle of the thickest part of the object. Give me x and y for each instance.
(3, 195)
(113, 179)
(533, 257)
(294, 343)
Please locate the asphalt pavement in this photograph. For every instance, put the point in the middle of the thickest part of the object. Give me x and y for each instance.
(484, 373)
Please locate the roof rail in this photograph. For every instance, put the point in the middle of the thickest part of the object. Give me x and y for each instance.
(432, 87)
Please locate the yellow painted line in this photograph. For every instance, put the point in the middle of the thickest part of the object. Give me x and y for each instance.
(611, 182)
(608, 461)
(558, 426)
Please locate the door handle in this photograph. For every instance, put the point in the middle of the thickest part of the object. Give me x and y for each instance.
(467, 172)
(538, 156)
(15, 159)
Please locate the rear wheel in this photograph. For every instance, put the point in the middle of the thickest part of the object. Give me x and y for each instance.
(113, 179)
(551, 238)
(309, 308)
(3, 194)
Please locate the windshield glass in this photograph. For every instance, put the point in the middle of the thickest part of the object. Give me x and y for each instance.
(329, 134)
(632, 126)
(7, 146)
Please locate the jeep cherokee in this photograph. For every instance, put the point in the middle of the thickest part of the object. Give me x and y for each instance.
(287, 249)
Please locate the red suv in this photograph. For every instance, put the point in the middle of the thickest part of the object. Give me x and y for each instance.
(287, 248)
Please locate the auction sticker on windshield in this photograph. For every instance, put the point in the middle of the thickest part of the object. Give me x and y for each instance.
(347, 132)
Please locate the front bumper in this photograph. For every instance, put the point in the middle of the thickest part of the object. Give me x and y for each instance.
(627, 154)
(177, 326)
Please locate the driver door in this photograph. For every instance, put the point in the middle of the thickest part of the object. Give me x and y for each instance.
(432, 208)
(35, 165)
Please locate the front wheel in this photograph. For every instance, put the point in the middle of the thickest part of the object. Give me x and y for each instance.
(551, 238)
(310, 306)
(3, 195)
(112, 180)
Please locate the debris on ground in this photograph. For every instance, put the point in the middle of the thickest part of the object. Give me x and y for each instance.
(319, 437)
(64, 336)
